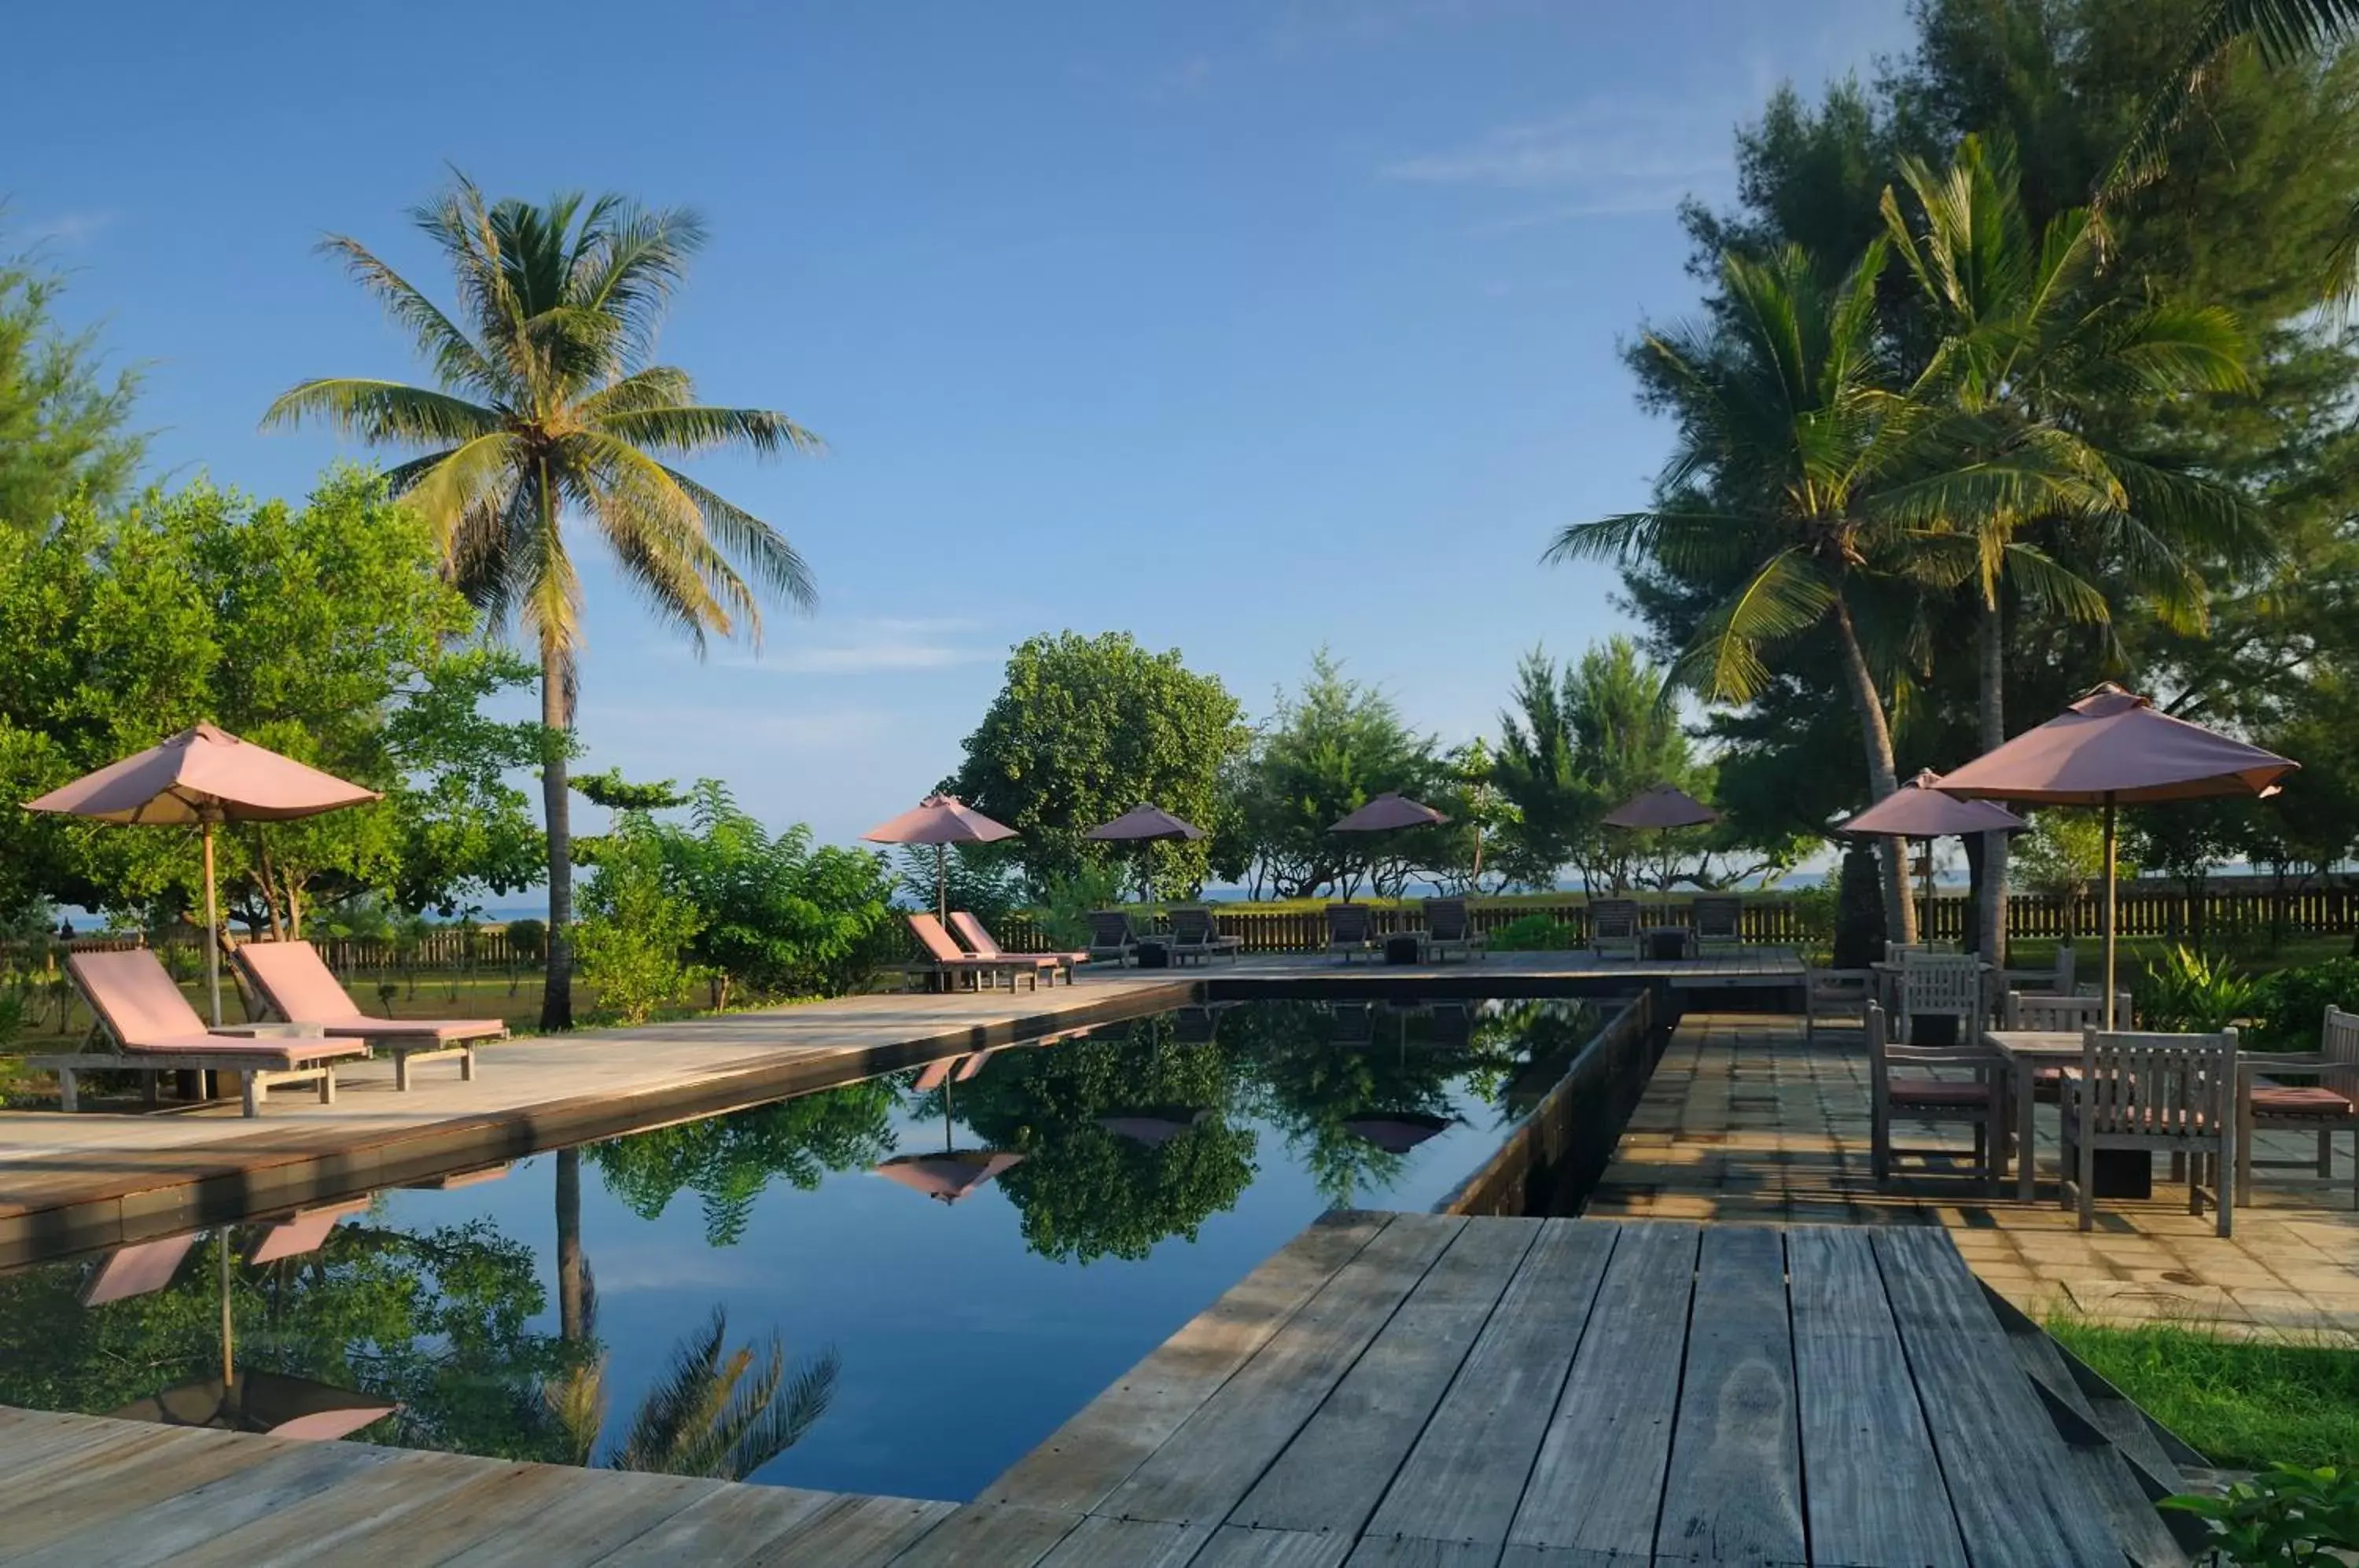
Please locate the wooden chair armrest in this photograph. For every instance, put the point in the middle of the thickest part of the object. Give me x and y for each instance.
(2249, 1063)
(1941, 1056)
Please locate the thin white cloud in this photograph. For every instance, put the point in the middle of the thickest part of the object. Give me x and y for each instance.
(67, 228)
(872, 647)
(1602, 158)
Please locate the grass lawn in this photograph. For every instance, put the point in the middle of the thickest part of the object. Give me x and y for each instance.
(2243, 1403)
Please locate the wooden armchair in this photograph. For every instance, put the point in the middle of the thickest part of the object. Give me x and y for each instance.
(1919, 1095)
(2173, 1093)
(1718, 921)
(1941, 985)
(2329, 1107)
(1613, 921)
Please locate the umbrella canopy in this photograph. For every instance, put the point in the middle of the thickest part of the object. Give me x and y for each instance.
(2116, 746)
(940, 820)
(1388, 811)
(1920, 809)
(204, 776)
(1153, 1127)
(1396, 1132)
(950, 1176)
(2112, 748)
(1144, 824)
(1661, 806)
(268, 1402)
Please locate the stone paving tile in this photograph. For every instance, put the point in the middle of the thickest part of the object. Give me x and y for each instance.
(1743, 1120)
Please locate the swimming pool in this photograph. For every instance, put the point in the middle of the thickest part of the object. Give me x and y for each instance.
(925, 1274)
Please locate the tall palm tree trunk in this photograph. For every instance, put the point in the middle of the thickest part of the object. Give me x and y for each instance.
(1992, 636)
(572, 1322)
(1883, 779)
(557, 809)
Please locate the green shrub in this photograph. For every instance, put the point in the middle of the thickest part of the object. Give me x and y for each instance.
(529, 939)
(632, 945)
(2188, 991)
(2286, 1516)
(1534, 934)
(2292, 1003)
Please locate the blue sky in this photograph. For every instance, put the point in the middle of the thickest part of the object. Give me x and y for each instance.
(1243, 327)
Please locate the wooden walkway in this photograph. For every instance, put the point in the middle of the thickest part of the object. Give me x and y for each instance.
(97, 1178)
(1386, 1389)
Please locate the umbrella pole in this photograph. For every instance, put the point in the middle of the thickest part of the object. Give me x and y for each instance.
(942, 880)
(227, 1371)
(212, 927)
(1928, 890)
(2112, 910)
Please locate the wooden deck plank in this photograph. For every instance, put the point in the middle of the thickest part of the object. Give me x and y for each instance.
(69, 1453)
(135, 1472)
(1874, 1484)
(1735, 1490)
(603, 1511)
(1462, 1480)
(1337, 1467)
(1414, 1552)
(1002, 1534)
(366, 1515)
(1598, 1483)
(2017, 1495)
(723, 1528)
(1094, 1452)
(291, 1475)
(1219, 1452)
(1103, 1542)
(1235, 1546)
(854, 1533)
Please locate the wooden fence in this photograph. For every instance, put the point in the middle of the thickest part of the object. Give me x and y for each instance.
(2244, 909)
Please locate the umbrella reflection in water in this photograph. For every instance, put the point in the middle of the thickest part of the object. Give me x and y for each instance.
(954, 1173)
(1397, 1132)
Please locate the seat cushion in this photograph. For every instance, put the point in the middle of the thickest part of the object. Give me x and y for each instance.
(2278, 1100)
(1934, 1091)
(359, 1026)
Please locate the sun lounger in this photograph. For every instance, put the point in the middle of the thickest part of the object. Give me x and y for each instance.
(1614, 921)
(983, 944)
(1112, 936)
(1350, 932)
(1193, 935)
(1448, 929)
(296, 982)
(153, 1029)
(945, 959)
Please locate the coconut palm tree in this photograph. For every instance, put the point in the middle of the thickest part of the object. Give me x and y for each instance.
(1803, 470)
(550, 411)
(2285, 31)
(716, 1412)
(2020, 342)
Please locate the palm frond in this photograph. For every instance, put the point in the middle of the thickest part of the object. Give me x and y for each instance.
(576, 1402)
(2284, 31)
(2053, 587)
(774, 563)
(1685, 541)
(479, 474)
(1786, 598)
(385, 413)
(456, 358)
(686, 430)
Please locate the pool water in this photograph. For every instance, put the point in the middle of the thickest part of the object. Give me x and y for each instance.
(899, 1286)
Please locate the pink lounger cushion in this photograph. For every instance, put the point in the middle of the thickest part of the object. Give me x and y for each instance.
(144, 1011)
(1934, 1091)
(300, 988)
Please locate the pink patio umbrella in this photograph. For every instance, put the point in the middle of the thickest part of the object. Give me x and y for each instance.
(1144, 824)
(952, 1174)
(2114, 748)
(940, 820)
(1661, 806)
(1388, 811)
(1918, 810)
(1397, 1132)
(206, 776)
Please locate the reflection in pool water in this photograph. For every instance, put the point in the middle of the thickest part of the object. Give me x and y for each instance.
(741, 1296)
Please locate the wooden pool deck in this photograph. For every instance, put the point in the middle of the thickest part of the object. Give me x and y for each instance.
(100, 1179)
(1386, 1389)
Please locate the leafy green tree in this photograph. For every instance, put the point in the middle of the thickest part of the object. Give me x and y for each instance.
(1085, 1192)
(1085, 728)
(729, 1161)
(551, 404)
(635, 938)
(1329, 749)
(1299, 1080)
(2062, 857)
(321, 631)
(63, 421)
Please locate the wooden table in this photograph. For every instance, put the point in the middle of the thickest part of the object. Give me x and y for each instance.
(1650, 936)
(2026, 1052)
